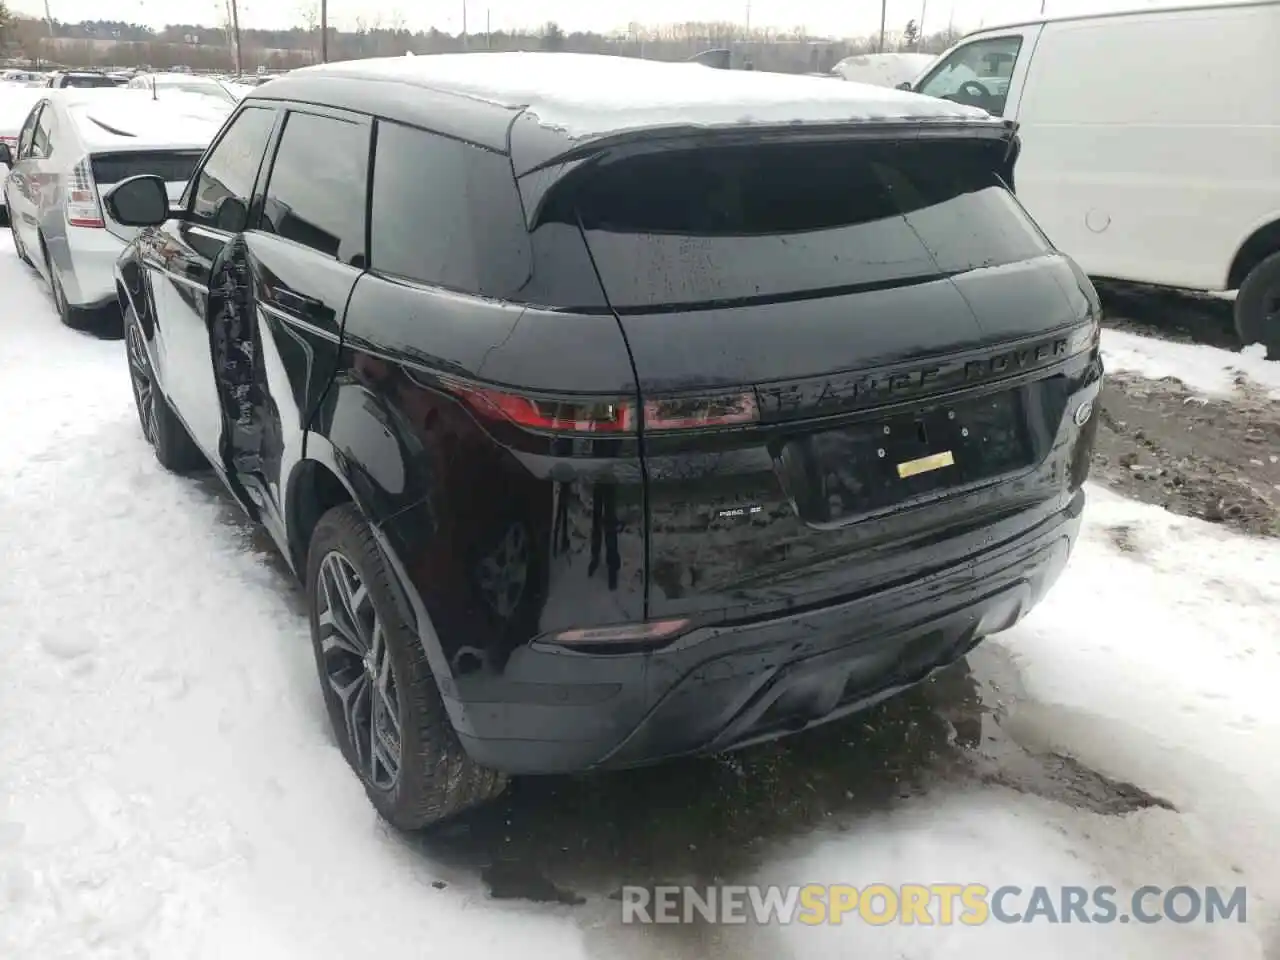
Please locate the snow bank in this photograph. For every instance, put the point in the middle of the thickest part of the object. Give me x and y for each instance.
(1209, 370)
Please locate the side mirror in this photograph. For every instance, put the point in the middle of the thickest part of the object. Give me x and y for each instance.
(905, 85)
(138, 202)
(6, 155)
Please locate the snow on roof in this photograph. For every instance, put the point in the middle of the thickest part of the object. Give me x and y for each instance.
(591, 94)
(134, 119)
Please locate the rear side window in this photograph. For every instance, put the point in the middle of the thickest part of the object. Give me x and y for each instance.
(779, 221)
(315, 195)
(446, 213)
(225, 183)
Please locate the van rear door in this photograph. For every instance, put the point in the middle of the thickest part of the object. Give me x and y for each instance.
(828, 337)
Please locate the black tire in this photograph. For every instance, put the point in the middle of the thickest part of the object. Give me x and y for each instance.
(1258, 307)
(436, 779)
(174, 447)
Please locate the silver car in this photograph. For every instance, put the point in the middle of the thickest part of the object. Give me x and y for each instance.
(73, 146)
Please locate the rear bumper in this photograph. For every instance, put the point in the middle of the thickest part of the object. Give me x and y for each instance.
(88, 267)
(724, 687)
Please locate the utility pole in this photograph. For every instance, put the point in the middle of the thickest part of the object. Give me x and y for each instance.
(465, 44)
(324, 31)
(235, 34)
(488, 30)
(748, 19)
(48, 15)
(884, 10)
(924, 5)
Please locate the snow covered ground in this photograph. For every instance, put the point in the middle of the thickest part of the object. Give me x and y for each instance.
(168, 788)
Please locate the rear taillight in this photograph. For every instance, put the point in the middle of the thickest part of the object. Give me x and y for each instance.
(607, 415)
(83, 208)
(10, 142)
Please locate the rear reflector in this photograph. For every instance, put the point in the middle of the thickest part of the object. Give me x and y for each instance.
(607, 415)
(628, 634)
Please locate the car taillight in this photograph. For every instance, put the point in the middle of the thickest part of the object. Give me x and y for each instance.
(607, 415)
(83, 209)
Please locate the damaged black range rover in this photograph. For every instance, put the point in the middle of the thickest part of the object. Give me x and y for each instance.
(604, 429)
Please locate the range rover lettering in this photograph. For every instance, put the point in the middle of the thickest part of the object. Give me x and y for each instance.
(606, 427)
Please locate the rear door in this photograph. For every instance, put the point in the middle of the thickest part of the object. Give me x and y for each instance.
(305, 253)
(21, 189)
(787, 306)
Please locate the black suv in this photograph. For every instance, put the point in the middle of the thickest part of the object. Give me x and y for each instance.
(614, 410)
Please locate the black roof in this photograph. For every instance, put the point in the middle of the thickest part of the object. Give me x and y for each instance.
(566, 100)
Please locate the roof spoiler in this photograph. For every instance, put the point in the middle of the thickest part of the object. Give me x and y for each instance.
(537, 180)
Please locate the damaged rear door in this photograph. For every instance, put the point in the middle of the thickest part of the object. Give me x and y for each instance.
(297, 266)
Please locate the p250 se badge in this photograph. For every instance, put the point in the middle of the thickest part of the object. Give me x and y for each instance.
(732, 513)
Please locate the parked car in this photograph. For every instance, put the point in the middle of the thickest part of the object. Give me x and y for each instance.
(82, 79)
(884, 69)
(74, 144)
(15, 104)
(21, 77)
(624, 427)
(1131, 161)
(160, 83)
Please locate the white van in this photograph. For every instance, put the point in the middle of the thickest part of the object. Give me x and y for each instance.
(1150, 142)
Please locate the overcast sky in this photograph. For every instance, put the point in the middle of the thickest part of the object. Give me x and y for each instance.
(828, 17)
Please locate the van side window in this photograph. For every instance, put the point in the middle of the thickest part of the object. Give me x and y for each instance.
(976, 74)
(222, 189)
(446, 213)
(315, 194)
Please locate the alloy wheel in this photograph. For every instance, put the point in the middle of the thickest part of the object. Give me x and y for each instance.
(141, 380)
(357, 666)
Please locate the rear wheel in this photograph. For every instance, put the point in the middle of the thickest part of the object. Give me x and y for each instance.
(1258, 306)
(76, 318)
(161, 427)
(382, 699)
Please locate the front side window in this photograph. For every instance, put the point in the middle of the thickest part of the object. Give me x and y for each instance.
(222, 190)
(315, 195)
(446, 213)
(976, 74)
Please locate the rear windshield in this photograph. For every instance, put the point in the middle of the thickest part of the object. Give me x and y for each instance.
(669, 230)
(87, 80)
(173, 166)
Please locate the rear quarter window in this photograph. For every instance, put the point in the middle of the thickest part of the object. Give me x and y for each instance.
(446, 213)
(761, 222)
